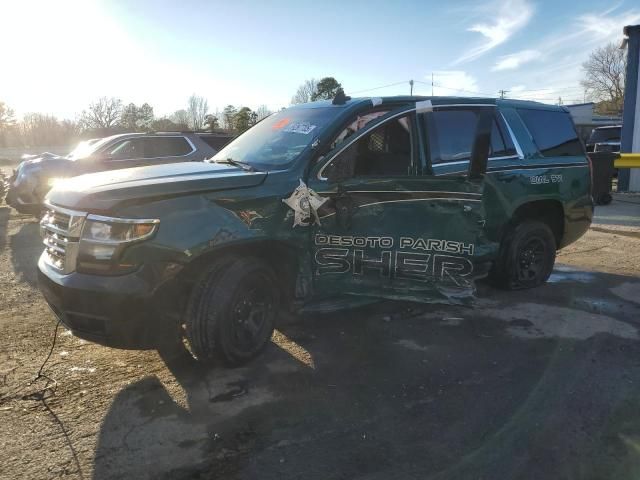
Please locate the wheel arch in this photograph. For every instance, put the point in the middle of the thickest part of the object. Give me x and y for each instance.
(548, 211)
(283, 257)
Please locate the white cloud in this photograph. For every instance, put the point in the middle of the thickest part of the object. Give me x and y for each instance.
(558, 71)
(604, 27)
(454, 82)
(508, 16)
(515, 60)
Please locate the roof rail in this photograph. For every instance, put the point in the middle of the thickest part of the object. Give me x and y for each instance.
(190, 131)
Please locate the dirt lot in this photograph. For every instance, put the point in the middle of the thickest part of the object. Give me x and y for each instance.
(528, 385)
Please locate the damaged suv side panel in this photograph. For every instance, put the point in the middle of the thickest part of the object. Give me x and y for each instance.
(401, 198)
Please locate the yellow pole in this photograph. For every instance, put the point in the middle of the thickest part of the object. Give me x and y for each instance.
(627, 160)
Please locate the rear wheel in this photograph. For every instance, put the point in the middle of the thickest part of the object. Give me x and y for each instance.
(526, 258)
(232, 310)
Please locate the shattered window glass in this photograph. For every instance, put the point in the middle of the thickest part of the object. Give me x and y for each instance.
(358, 124)
(384, 151)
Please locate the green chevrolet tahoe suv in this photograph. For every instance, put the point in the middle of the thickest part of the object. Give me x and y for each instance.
(318, 206)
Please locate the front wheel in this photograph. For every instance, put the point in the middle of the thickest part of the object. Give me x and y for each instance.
(232, 310)
(526, 258)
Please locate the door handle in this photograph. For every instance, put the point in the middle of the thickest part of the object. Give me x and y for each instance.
(466, 208)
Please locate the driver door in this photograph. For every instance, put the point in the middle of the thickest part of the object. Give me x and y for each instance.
(390, 228)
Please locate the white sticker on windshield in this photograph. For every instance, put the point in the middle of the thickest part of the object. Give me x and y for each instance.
(299, 127)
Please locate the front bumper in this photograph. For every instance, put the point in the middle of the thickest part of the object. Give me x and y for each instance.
(117, 311)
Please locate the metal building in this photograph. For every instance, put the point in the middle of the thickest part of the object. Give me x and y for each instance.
(629, 179)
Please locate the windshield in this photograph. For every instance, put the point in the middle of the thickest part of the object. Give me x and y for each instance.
(278, 140)
(605, 135)
(86, 148)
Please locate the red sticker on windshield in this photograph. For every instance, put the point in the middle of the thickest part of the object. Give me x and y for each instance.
(278, 125)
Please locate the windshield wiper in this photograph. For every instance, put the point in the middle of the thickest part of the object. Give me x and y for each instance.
(237, 163)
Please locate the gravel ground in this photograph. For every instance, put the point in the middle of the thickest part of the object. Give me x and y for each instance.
(533, 384)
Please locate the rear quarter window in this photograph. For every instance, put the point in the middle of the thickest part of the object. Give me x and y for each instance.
(552, 132)
(216, 142)
(159, 147)
(605, 135)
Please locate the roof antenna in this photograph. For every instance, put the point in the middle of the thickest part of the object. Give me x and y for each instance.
(340, 98)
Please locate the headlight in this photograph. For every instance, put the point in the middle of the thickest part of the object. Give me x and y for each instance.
(52, 182)
(104, 239)
(117, 230)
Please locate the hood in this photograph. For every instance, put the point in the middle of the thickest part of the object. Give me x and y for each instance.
(104, 190)
(40, 156)
(47, 164)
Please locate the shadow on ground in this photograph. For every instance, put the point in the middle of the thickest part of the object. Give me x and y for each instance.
(5, 212)
(26, 247)
(527, 385)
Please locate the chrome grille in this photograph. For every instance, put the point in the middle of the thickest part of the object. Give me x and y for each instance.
(60, 230)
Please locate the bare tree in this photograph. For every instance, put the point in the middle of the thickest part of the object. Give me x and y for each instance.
(37, 129)
(305, 92)
(103, 114)
(181, 119)
(7, 123)
(197, 111)
(165, 124)
(604, 74)
(262, 112)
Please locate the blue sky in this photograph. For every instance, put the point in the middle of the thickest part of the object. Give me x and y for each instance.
(66, 53)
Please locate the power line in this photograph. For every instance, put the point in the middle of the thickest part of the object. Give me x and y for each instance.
(503, 93)
(378, 88)
(553, 89)
(456, 89)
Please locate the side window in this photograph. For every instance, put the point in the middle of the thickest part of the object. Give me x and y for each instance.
(552, 131)
(451, 135)
(216, 142)
(158, 147)
(358, 124)
(126, 149)
(385, 151)
(501, 143)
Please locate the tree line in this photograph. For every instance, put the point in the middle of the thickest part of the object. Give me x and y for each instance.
(109, 115)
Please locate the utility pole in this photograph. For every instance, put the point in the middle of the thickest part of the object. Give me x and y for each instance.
(432, 84)
(503, 93)
(411, 85)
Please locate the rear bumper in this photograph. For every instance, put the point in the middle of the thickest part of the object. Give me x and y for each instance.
(118, 312)
(577, 221)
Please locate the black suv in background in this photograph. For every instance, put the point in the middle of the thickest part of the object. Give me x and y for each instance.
(605, 139)
(34, 176)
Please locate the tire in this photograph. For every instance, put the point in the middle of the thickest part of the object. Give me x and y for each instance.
(231, 311)
(526, 257)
